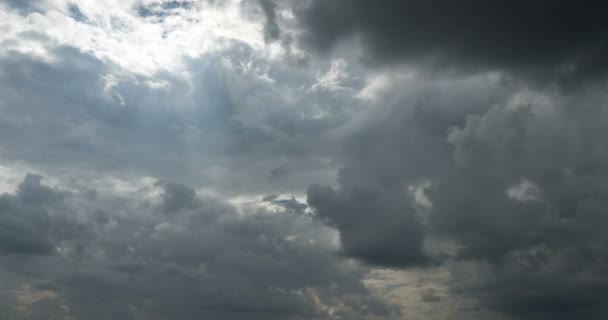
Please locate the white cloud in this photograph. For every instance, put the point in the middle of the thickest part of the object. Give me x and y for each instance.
(115, 31)
(525, 190)
(334, 77)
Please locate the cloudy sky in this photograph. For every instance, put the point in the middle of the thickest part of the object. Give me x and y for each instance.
(303, 159)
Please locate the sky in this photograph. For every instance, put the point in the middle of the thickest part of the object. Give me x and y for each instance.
(303, 159)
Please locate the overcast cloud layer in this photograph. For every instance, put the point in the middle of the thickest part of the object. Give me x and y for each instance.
(550, 40)
(260, 159)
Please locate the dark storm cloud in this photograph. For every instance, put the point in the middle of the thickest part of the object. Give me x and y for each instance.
(541, 285)
(25, 223)
(203, 261)
(558, 150)
(376, 225)
(373, 208)
(565, 39)
(516, 179)
(545, 245)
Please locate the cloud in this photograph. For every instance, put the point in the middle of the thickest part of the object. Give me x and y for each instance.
(397, 148)
(25, 221)
(205, 260)
(117, 122)
(176, 196)
(528, 242)
(531, 256)
(271, 27)
(179, 139)
(430, 295)
(375, 225)
(544, 39)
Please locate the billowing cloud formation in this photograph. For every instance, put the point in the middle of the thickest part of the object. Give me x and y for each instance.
(547, 39)
(376, 225)
(518, 187)
(232, 120)
(543, 242)
(95, 256)
(191, 150)
(25, 223)
(396, 153)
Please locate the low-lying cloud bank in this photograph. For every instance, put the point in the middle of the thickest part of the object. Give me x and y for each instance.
(168, 253)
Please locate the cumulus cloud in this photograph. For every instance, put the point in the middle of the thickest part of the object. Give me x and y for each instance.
(548, 146)
(376, 225)
(542, 237)
(111, 119)
(205, 260)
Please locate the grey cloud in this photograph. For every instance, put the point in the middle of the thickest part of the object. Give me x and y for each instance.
(430, 295)
(542, 145)
(375, 225)
(176, 196)
(277, 174)
(75, 12)
(162, 9)
(542, 39)
(25, 222)
(373, 208)
(270, 197)
(205, 260)
(227, 128)
(511, 177)
(31, 191)
(542, 251)
(24, 6)
(271, 27)
(539, 284)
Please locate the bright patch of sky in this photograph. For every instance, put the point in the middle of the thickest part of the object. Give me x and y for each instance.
(142, 36)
